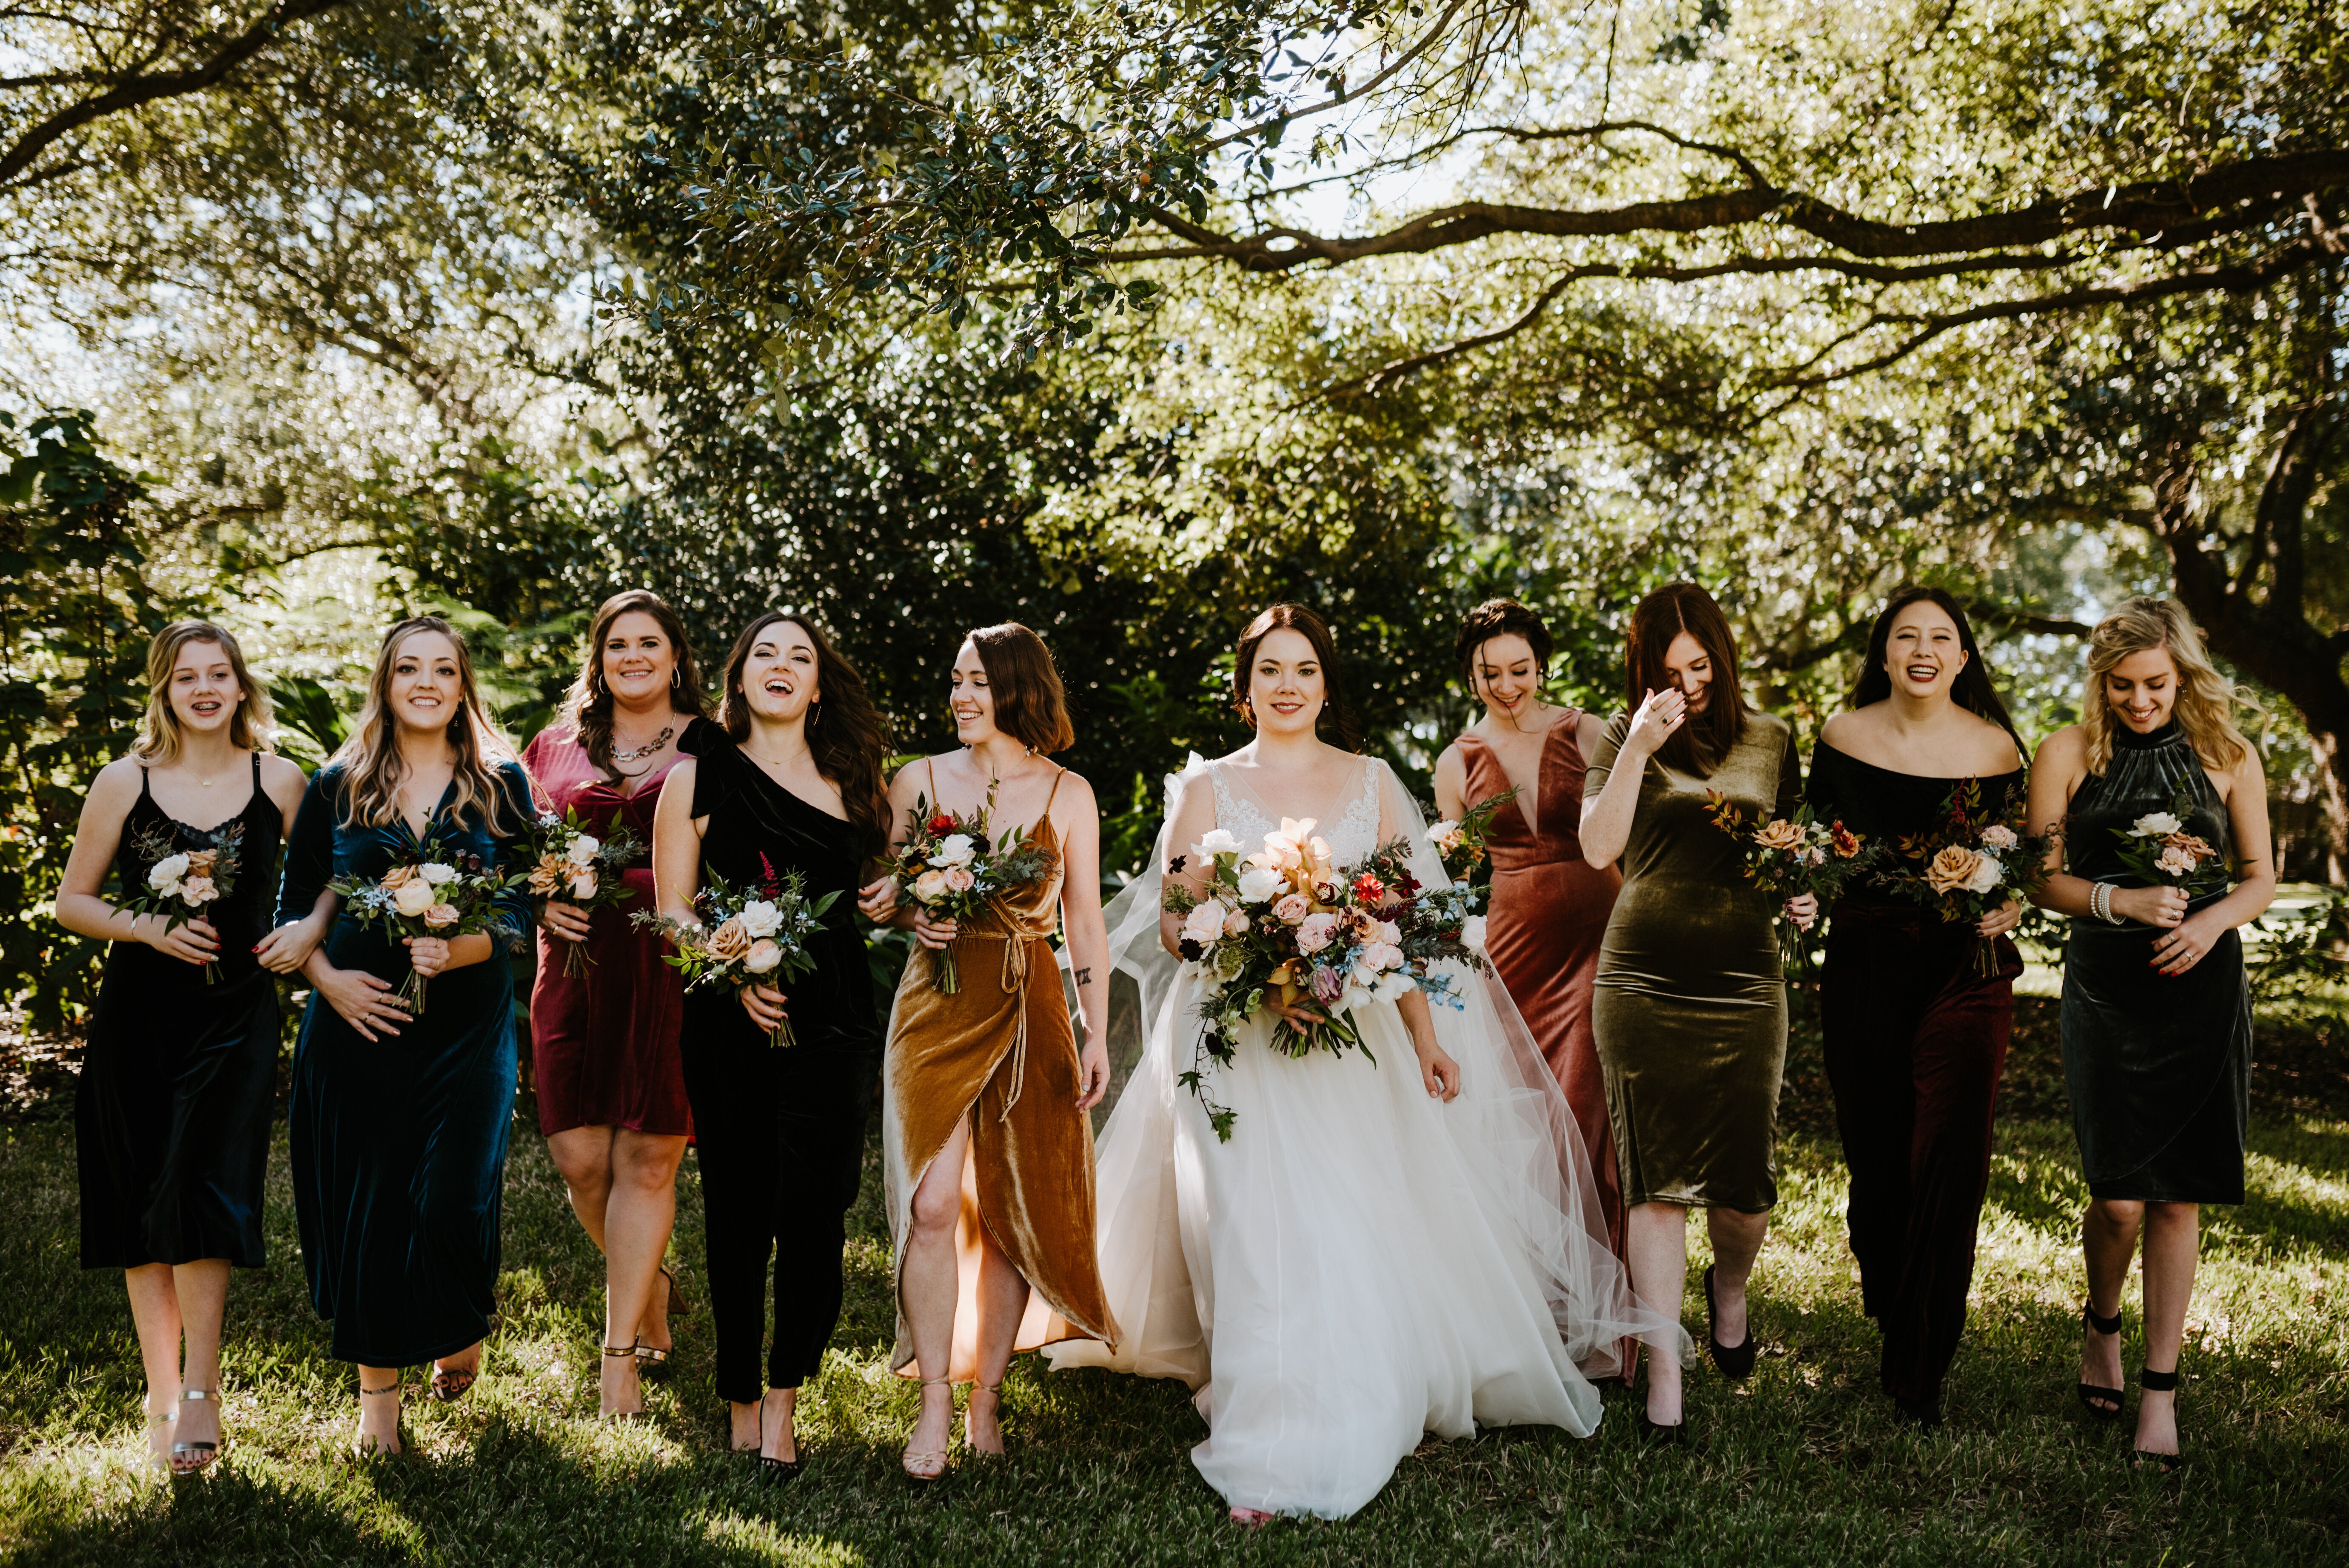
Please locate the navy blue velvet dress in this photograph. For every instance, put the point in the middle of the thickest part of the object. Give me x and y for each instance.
(400, 1144)
(178, 1084)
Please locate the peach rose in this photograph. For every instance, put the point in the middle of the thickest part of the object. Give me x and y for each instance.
(547, 877)
(959, 880)
(1780, 834)
(200, 862)
(440, 915)
(1952, 869)
(2193, 844)
(398, 877)
(197, 890)
(413, 897)
(728, 942)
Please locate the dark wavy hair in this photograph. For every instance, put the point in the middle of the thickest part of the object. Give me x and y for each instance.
(588, 703)
(1698, 745)
(845, 733)
(1972, 690)
(1336, 723)
(1500, 618)
(1031, 705)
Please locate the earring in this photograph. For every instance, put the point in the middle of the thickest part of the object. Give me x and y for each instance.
(815, 716)
(677, 674)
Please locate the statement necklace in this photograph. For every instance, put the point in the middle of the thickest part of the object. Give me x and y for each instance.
(646, 749)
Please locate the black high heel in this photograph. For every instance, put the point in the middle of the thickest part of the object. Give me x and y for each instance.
(2154, 1382)
(1735, 1361)
(2091, 1395)
(1657, 1435)
(773, 1470)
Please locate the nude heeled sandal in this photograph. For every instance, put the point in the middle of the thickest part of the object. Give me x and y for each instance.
(188, 1458)
(978, 1387)
(929, 1458)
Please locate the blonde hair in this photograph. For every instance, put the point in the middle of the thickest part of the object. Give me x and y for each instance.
(158, 729)
(2206, 699)
(373, 767)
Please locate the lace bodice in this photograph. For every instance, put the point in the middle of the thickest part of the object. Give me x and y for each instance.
(1351, 837)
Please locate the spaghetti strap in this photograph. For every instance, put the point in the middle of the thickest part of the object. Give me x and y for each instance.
(930, 766)
(256, 773)
(1064, 773)
(143, 792)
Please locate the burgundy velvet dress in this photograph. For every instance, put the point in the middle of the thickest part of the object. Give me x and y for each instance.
(1544, 929)
(603, 1044)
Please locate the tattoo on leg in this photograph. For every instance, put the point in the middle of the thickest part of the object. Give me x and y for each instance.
(1084, 976)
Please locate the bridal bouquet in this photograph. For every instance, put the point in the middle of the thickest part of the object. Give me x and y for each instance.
(1461, 844)
(1286, 925)
(435, 888)
(570, 863)
(2157, 848)
(1971, 865)
(951, 867)
(181, 883)
(746, 936)
(1788, 857)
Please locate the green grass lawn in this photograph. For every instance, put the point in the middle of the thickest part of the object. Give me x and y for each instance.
(1801, 1465)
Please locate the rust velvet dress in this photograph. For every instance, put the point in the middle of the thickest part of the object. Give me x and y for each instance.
(1000, 1050)
(1544, 925)
(604, 1044)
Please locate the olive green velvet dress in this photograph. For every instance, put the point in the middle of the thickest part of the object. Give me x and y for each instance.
(1691, 1006)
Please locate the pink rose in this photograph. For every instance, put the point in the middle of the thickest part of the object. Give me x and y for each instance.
(1235, 925)
(440, 915)
(197, 890)
(1293, 908)
(1313, 933)
(959, 880)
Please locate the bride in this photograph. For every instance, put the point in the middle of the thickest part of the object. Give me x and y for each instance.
(1386, 1246)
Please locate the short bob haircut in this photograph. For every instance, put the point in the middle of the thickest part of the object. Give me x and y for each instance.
(1336, 723)
(1659, 621)
(158, 730)
(1501, 618)
(1031, 705)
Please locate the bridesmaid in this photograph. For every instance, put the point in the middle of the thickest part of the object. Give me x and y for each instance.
(399, 1122)
(1915, 1036)
(1548, 914)
(604, 1042)
(984, 1092)
(1691, 1006)
(2157, 1012)
(791, 781)
(172, 1116)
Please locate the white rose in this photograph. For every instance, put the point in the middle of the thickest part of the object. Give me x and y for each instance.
(1258, 883)
(1216, 842)
(2155, 825)
(1472, 934)
(955, 849)
(1987, 875)
(1205, 923)
(582, 850)
(761, 918)
(168, 871)
(1392, 987)
(1443, 833)
(412, 898)
(1388, 931)
(582, 883)
(1236, 924)
(435, 873)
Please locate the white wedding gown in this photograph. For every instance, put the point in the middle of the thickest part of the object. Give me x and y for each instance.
(1360, 1264)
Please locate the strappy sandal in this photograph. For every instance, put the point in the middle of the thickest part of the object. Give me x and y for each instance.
(639, 1413)
(190, 1458)
(155, 1464)
(2154, 1382)
(364, 1451)
(2103, 1403)
(912, 1456)
(652, 1365)
(450, 1386)
(773, 1470)
(977, 1388)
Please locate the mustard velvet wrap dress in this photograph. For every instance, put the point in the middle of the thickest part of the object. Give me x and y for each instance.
(1000, 1050)
(1689, 1012)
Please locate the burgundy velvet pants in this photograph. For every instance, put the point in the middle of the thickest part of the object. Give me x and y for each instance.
(1915, 1043)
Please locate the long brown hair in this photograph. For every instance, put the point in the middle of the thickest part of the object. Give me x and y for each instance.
(158, 730)
(1031, 705)
(845, 733)
(372, 766)
(1698, 745)
(2204, 706)
(588, 703)
(1343, 731)
(1972, 690)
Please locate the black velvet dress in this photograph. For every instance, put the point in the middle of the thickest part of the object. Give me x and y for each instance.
(779, 1131)
(1915, 1038)
(172, 1116)
(400, 1144)
(2159, 1067)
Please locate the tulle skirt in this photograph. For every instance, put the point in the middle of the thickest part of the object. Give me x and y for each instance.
(1360, 1264)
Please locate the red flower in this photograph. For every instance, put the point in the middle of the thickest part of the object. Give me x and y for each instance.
(942, 823)
(1370, 889)
(769, 883)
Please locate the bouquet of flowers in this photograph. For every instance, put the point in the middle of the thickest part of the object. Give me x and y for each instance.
(1788, 857)
(181, 883)
(2157, 848)
(435, 888)
(1461, 843)
(570, 863)
(1970, 865)
(746, 936)
(951, 867)
(1284, 924)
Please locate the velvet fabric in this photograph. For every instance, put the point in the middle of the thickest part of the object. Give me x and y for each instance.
(779, 1131)
(1545, 921)
(1001, 1051)
(604, 1044)
(2158, 1066)
(171, 1113)
(400, 1144)
(1690, 1007)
